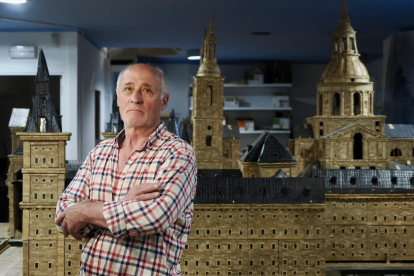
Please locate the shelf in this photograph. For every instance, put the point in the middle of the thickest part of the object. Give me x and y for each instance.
(263, 85)
(282, 131)
(247, 108)
(254, 108)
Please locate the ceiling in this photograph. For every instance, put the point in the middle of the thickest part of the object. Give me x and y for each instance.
(300, 29)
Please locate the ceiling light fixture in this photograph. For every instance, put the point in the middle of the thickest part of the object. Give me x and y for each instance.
(193, 54)
(13, 1)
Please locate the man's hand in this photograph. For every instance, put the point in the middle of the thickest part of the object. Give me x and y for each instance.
(73, 219)
(144, 192)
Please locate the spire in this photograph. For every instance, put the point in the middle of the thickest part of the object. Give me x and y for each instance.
(205, 34)
(42, 70)
(212, 24)
(208, 61)
(344, 10)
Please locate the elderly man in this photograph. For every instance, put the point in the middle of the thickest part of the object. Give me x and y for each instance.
(132, 198)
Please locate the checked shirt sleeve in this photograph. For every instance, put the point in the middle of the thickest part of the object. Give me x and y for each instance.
(77, 191)
(178, 177)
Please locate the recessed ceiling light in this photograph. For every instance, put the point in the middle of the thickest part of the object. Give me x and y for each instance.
(260, 33)
(194, 58)
(13, 1)
(193, 54)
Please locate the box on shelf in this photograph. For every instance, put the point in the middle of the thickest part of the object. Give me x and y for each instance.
(231, 102)
(280, 101)
(281, 123)
(245, 125)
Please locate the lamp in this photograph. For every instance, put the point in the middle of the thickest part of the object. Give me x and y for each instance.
(13, 1)
(22, 52)
(193, 54)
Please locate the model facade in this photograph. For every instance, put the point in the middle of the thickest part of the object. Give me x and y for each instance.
(345, 133)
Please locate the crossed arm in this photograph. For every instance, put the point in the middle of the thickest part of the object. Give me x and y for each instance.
(146, 209)
(79, 215)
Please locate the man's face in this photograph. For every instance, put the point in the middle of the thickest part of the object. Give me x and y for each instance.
(139, 97)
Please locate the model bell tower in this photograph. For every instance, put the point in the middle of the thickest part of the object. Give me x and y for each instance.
(345, 94)
(44, 171)
(207, 115)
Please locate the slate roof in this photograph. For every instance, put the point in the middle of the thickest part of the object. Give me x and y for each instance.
(19, 150)
(302, 131)
(400, 167)
(260, 191)
(366, 181)
(399, 131)
(219, 173)
(231, 132)
(307, 172)
(267, 149)
(338, 131)
(42, 70)
(280, 174)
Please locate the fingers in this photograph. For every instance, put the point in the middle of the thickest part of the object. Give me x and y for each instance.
(65, 229)
(60, 218)
(148, 196)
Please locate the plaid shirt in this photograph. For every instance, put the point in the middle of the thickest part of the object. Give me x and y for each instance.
(144, 237)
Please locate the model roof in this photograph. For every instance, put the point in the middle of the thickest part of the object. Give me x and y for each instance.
(267, 149)
(399, 131)
(400, 167)
(227, 173)
(366, 181)
(260, 191)
(338, 130)
(42, 70)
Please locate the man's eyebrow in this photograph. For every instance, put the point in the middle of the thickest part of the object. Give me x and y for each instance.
(128, 83)
(146, 84)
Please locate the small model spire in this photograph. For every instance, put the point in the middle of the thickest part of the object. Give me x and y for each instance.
(345, 65)
(44, 117)
(212, 24)
(208, 63)
(42, 70)
(172, 124)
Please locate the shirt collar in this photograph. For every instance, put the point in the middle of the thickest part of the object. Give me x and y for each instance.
(155, 140)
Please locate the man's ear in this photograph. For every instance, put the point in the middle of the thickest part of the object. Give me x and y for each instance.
(164, 101)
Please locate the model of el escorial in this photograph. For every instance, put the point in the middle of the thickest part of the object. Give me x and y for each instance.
(345, 133)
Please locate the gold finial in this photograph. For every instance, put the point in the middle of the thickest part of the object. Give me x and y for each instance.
(212, 24)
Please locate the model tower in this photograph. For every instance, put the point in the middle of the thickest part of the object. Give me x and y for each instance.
(207, 115)
(345, 95)
(44, 172)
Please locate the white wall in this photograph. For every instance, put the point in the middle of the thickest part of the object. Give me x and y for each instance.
(93, 69)
(61, 60)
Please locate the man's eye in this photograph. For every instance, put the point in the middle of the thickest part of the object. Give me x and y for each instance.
(147, 90)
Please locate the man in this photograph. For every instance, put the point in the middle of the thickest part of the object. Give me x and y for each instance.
(132, 198)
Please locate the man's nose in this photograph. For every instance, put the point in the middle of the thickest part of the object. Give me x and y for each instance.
(136, 97)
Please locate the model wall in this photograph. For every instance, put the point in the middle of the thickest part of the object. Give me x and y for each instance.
(350, 230)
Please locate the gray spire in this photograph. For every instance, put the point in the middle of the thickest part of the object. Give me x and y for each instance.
(42, 70)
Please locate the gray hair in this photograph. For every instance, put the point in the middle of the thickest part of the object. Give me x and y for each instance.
(163, 84)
